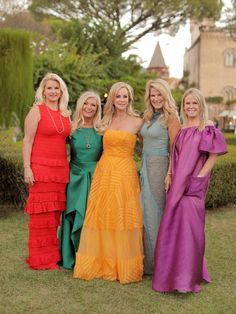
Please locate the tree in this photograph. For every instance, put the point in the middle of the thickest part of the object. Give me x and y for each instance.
(16, 75)
(12, 6)
(85, 71)
(26, 21)
(231, 20)
(132, 19)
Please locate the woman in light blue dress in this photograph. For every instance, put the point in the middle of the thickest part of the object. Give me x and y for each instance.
(158, 133)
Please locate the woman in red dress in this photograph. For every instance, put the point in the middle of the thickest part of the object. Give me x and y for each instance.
(46, 169)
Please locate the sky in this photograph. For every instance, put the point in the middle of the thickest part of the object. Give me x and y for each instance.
(173, 48)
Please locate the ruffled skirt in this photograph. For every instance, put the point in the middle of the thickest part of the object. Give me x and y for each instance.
(45, 203)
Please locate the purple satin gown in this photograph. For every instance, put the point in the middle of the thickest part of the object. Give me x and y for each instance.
(179, 254)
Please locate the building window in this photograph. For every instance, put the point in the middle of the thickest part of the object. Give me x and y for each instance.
(229, 93)
(230, 57)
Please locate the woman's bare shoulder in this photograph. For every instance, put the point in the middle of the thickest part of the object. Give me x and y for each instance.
(34, 112)
(209, 122)
(138, 122)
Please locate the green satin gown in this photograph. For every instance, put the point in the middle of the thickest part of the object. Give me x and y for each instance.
(86, 149)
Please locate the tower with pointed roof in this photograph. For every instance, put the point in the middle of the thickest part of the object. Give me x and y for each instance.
(157, 64)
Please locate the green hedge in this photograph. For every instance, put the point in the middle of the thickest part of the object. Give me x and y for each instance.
(214, 100)
(222, 189)
(230, 138)
(13, 190)
(16, 76)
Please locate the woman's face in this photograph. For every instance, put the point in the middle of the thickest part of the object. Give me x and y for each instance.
(89, 108)
(156, 99)
(121, 101)
(191, 107)
(52, 91)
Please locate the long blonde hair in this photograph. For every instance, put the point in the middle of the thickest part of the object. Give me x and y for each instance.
(109, 108)
(169, 107)
(78, 118)
(197, 94)
(64, 99)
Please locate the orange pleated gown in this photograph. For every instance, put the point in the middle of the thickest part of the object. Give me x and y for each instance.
(111, 241)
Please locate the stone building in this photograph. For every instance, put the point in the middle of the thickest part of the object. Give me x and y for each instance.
(210, 64)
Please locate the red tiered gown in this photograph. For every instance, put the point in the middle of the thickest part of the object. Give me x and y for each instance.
(46, 199)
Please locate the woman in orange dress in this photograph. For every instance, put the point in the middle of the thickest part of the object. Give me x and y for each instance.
(111, 241)
(46, 169)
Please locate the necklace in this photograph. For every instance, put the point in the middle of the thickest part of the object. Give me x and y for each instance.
(87, 137)
(55, 126)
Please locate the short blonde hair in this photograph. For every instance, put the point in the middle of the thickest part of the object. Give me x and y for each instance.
(197, 94)
(169, 107)
(109, 108)
(64, 99)
(78, 118)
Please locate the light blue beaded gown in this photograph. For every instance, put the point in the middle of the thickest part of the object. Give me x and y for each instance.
(152, 174)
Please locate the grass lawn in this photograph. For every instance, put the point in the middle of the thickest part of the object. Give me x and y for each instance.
(27, 291)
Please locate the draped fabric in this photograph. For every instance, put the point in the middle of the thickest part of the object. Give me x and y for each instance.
(82, 165)
(152, 175)
(47, 198)
(179, 255)
(111, 239)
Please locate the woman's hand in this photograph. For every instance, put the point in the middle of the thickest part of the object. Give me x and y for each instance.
(168, 181)
(28, 175)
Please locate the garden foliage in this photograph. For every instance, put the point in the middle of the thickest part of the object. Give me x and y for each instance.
(16, 75)
(222, 189)
(13, 190)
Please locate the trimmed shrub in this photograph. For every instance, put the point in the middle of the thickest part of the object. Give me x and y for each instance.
(16, 75)
(13, 189)
(222, 189)
(230, 138)
(214, 100)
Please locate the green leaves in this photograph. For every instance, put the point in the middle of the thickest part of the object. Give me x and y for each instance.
(133, 18)
(16, 76)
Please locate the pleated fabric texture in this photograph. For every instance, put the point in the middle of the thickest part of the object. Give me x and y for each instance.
(111, 240)
(47, 198)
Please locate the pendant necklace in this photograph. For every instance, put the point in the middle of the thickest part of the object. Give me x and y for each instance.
(87, 137)
(55, 126)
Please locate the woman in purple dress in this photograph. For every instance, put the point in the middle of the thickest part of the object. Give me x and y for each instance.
(179, 254)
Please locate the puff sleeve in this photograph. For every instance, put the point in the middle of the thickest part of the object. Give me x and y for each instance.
(212, 141)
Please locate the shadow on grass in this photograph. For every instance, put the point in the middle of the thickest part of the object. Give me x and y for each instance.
(8, 210)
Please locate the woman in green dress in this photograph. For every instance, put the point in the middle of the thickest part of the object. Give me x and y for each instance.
(86, 149)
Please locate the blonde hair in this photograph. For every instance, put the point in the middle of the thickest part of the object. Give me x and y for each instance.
(78, 118)
(109, 108)
(64, 99)
(169, 107)
(196, 93)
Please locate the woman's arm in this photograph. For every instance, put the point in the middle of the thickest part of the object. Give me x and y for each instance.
(173, 129)
(31, 125)
(208, 165)
(173, 126)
